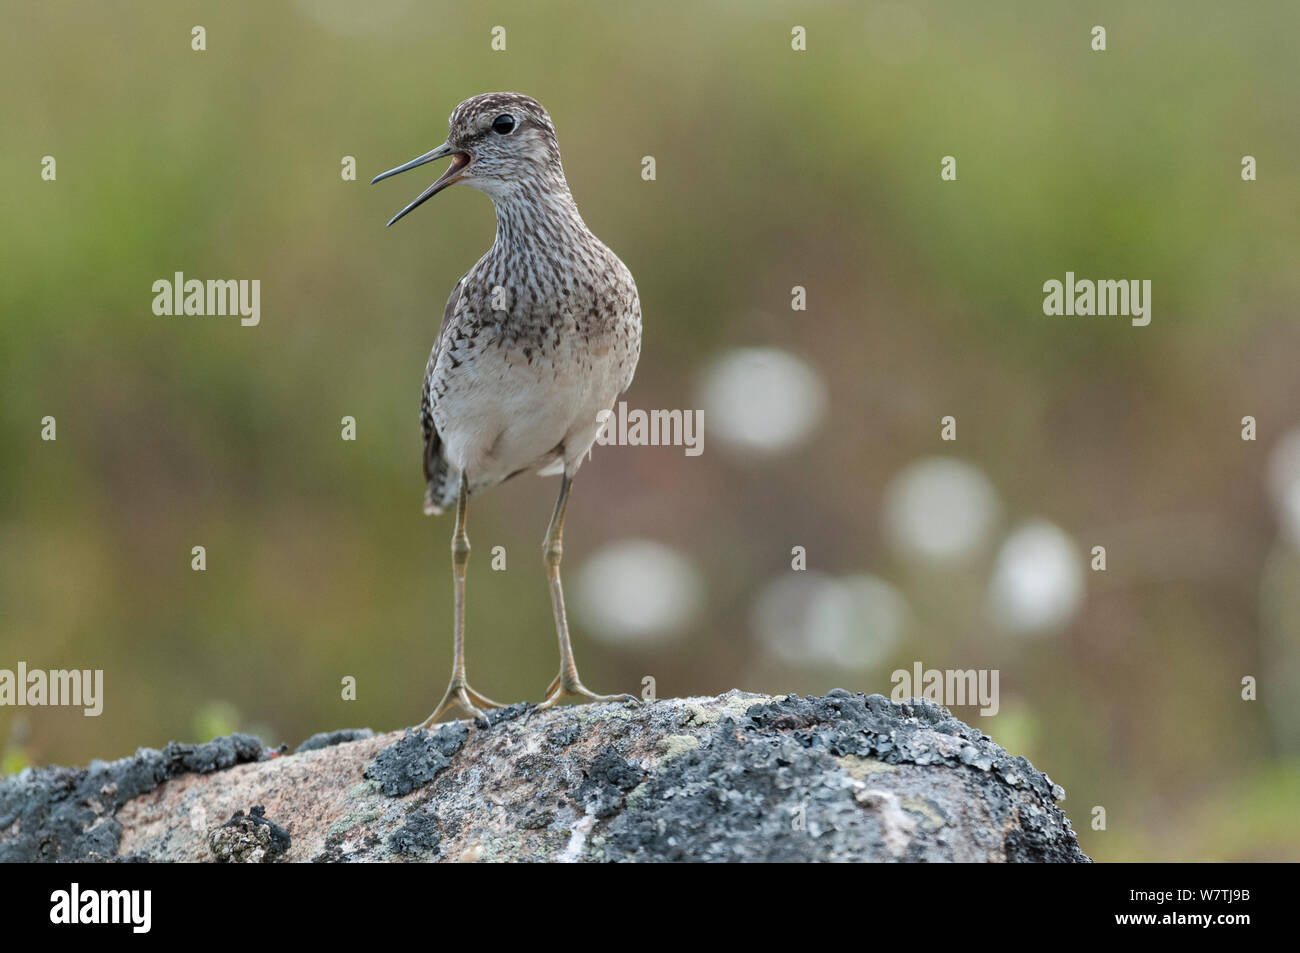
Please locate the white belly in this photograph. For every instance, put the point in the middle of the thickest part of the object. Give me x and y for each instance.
(505, 415)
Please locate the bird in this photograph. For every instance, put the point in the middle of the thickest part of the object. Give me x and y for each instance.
(537, 342)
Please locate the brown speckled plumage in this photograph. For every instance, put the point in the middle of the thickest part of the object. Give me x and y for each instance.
(541, 334)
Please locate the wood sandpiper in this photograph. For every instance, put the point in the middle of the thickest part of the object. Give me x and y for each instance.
(537, 340)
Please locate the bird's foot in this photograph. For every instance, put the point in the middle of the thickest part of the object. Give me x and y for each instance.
(561, 688)
(460, 695)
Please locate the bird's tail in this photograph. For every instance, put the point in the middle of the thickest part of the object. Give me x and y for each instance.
(442, 487)
(431, 507)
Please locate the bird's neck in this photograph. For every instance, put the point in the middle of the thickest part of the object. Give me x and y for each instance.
(531, 217)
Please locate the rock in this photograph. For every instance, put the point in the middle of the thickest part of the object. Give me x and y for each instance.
(738, 777)
(61, 814)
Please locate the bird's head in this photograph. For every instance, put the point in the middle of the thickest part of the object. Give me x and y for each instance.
(499, 143)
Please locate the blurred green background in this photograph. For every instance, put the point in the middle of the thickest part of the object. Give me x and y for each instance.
(775, 168)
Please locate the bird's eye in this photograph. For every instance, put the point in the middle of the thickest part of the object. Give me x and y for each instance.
(504, 124)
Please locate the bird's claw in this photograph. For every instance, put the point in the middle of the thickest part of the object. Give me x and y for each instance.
(460, 695)
(559, 689)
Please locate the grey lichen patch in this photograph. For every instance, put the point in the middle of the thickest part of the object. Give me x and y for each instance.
(736, 704)
(328, 739)
(364, 788)
(248, 839)
(564, 735)
(500, 847)
(540, 845)
(420, 837)
(859, 768)
(931, 814)
(700, 715)
(609, 779)
(342, 849)
(676, 745)
(636, 795)
(416, 758)
(709, 711)
(509, 713)
(215, 755)
(536, 819)
(363, 812)
(706, 711)
(611, 714)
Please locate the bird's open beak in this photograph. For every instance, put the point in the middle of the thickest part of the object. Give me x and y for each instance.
(453, 175)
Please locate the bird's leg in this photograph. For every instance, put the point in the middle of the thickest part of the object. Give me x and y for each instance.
(567, 682)
(458, 691)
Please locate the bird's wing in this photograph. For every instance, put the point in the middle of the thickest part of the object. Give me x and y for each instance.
(435, 468)
(635, 302)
